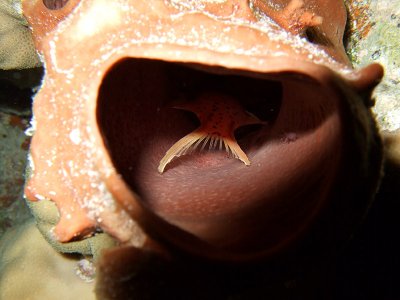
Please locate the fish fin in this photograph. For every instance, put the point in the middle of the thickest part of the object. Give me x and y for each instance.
(181, 147)
(236, 151)
(192, 141)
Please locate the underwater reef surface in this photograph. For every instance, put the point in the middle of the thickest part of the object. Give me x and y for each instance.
(374, 36)
(13, 153)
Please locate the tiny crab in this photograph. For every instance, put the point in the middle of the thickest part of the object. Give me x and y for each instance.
(219, 115)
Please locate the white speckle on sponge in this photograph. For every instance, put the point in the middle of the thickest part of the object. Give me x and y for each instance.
(75, 136)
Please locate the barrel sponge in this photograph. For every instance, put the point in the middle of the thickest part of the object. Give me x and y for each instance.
(17, 50)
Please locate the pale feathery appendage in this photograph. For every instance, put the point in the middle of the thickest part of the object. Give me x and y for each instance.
(193, 140)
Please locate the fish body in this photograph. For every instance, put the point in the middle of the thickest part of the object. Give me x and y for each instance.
(219, 115)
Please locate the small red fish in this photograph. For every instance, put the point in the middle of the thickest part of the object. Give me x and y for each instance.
(219, 115)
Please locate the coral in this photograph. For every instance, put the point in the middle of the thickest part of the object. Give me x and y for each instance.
(31, 269)
(46, 216)
(374, 37)
(13, 153)
(17, 50)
